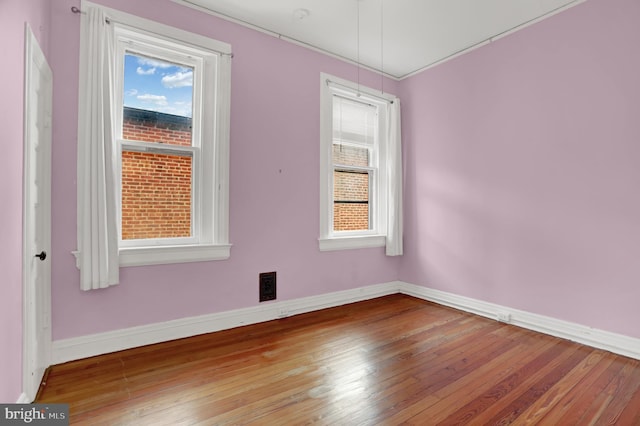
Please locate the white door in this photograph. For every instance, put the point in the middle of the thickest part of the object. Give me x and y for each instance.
(37, 216)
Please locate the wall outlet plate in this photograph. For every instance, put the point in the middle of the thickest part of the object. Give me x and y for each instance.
(267, 286)
(504, 317)
(283, 313)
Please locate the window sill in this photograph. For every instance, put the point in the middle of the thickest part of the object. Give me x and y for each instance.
(139, 256)
(348, 243)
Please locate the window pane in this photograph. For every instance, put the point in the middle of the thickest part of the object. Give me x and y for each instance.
(156, 195)
(350, 155)
(351, 200)
(158, 101)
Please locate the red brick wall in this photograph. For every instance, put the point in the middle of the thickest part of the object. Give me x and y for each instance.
(349, 186)
(350, 217)
(352, 187)
(156, 188)
(150, 132)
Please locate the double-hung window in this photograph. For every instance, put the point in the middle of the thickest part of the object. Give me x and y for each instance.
(353, 161)
(168, 97)
(160, 154)
(167, 147)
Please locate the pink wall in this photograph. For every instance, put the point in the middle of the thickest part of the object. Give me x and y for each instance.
(274, 187)
(520, 178)
(523, 170)
(13, 15)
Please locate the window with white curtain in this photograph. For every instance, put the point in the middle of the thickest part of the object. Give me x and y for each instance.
(153, 145)
(358, 167)
(166, 148)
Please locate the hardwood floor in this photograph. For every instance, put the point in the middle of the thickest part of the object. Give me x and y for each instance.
(387, 361)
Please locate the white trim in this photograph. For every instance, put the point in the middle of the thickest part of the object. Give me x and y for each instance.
(23, 399)
(112, 341)
(612, 342)
(159, 255)
(161, 30)
(347, 243)
(222, 128)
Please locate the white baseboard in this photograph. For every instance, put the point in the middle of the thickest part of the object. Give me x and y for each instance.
(112, 341)
(97, 344)
(612, 342)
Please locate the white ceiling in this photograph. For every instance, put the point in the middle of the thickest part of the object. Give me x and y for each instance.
(415, 34)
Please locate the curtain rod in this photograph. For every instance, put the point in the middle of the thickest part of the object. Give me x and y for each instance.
(82, 12)
(329, 83)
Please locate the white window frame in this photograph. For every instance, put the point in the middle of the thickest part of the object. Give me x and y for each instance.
(211, 60)
(329, 239)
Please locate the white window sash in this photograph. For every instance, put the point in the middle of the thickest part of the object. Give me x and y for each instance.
(365, 139)
(372, 173)
(166, 149)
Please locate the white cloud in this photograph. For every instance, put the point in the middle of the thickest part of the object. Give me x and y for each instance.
(181, 110)
(153, 63)
(179, 79)
(184, 109)
(148, 71)
(159, 100)
(131, 92)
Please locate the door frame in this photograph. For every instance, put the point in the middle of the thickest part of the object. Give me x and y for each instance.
(35, 306)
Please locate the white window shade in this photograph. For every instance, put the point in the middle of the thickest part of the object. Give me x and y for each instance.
(353, 122)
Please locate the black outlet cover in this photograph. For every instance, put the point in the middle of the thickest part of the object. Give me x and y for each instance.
(267, 286)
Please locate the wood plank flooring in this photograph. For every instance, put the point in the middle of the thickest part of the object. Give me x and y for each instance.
(387, 361)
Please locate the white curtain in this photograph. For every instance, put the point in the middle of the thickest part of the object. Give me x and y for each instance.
(394, 176)
(97, 214)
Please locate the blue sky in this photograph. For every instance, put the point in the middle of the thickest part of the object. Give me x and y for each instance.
(156, 85)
